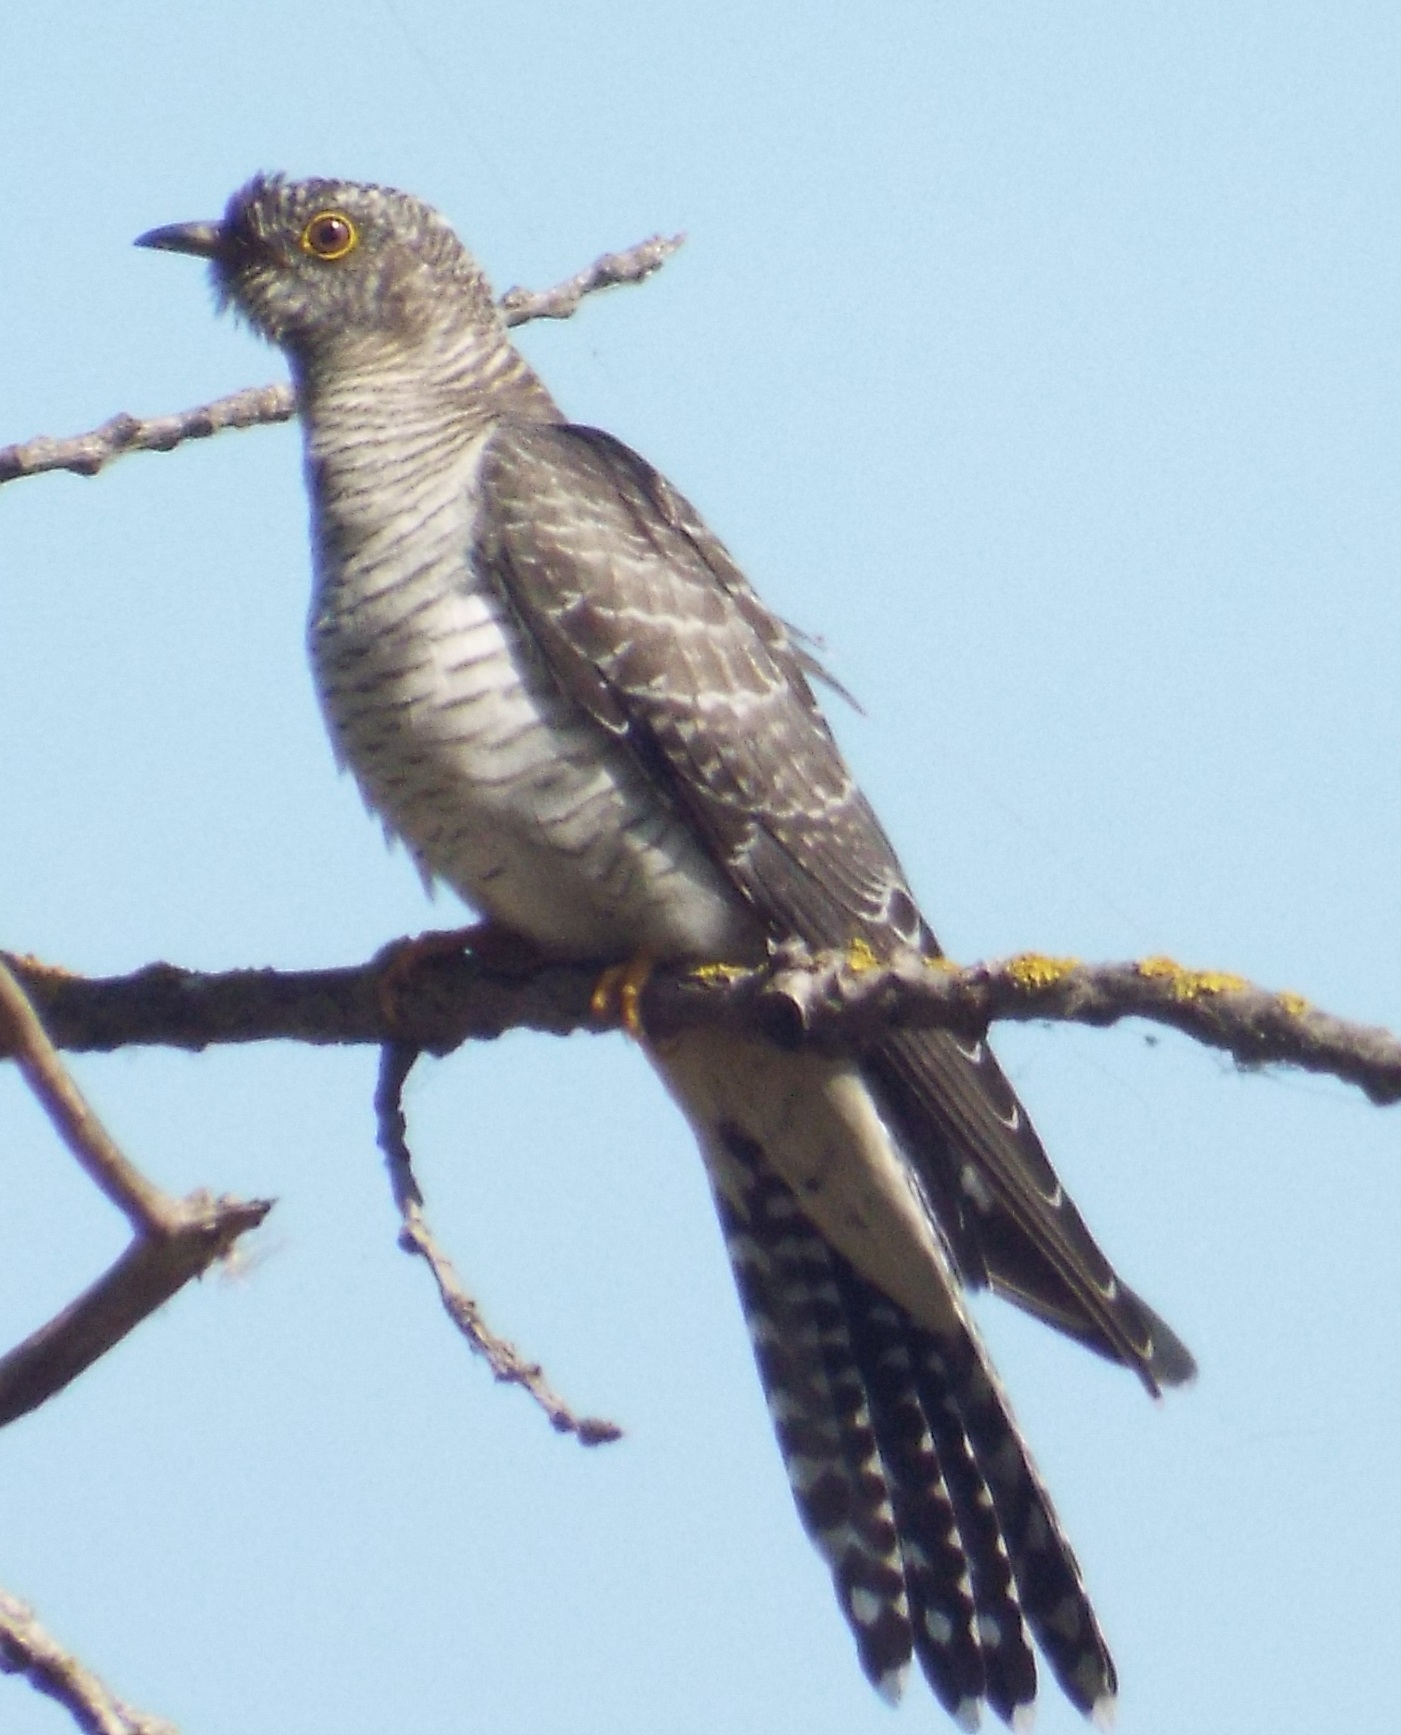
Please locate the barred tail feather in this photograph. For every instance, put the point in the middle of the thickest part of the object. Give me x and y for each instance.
(818, 1405)
(908, 1471)
(1048, 1578)
(937, 1578)
(986, 1575)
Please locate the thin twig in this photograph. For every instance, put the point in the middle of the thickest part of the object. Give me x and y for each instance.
(415, 1236)
(87, 454)
(144, 1206)
(633, 265)
(27, 1650)
(173, 1239)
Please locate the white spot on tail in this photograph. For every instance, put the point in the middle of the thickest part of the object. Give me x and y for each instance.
(804, 1472)
(745, 1251)
(1102, 1712)
(968, 1713)
(892, 1684)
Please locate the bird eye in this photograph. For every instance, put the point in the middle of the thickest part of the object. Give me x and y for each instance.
(329, 235)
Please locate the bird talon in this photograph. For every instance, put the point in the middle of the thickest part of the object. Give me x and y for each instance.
(617, 996)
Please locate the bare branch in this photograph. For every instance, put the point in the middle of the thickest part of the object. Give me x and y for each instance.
(504, 1359)
(846, 1001)
(174, 1239)
(26, 1649)
(838, 1000)
(86, 454)
(439, 999)
(438, 1007)
(634, 265)
(23, 1035)
(148, 1274)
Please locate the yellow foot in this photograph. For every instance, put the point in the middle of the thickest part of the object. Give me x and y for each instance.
(617, 995)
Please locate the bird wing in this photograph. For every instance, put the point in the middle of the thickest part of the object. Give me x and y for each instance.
(647, 623)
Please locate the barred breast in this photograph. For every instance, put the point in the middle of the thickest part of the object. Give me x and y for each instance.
(446, 713)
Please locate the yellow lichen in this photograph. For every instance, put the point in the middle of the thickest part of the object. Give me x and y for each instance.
(1294, 1004)
(860, 958)
(718, 972)
(1191, 984)
(1036, 970)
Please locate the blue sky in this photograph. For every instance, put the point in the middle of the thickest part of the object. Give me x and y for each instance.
(1041, 358)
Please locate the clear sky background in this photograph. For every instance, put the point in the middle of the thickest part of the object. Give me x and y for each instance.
(1044, 360)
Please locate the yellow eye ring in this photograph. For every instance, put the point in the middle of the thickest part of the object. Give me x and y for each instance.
(330, 235)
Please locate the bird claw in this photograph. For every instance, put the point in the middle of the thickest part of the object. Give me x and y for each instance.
(617, 996)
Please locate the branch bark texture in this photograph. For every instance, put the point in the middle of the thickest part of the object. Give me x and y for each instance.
(836, 1000)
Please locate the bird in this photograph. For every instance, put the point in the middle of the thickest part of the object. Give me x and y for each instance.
(553, 683)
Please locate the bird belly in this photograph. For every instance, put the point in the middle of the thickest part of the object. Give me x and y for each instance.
(465, 747)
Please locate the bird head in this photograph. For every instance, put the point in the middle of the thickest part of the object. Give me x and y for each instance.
(311, 263)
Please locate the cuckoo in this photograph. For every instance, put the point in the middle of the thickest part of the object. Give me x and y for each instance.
(551, 680)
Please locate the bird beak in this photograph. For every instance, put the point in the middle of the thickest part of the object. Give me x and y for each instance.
(204, 240)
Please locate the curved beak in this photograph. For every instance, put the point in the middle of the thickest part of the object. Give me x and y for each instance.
(204, 240)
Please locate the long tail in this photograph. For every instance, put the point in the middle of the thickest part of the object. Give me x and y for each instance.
(910, 1475)
(908, 1469)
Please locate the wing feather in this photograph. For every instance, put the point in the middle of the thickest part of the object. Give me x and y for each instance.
(650, 627)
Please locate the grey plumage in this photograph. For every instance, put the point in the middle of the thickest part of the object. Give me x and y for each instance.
(552, 681)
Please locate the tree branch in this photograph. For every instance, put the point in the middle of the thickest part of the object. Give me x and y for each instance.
(834, 1000)
(420, 997)
(26, 1649)
(87, 454)
(845, 1001)
(173, 1239)
(633, 265)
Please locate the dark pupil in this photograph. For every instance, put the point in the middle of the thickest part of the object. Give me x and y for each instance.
(330, 234)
